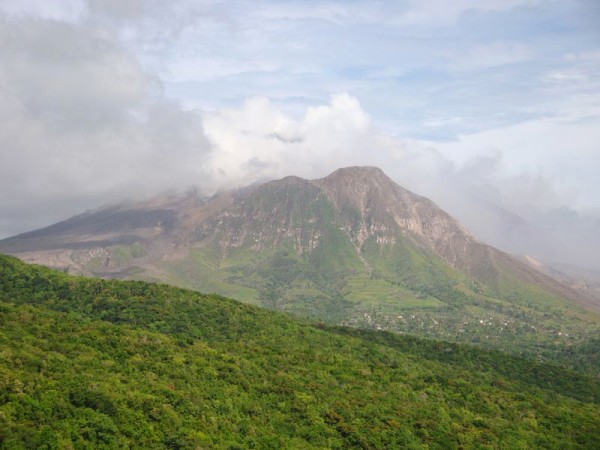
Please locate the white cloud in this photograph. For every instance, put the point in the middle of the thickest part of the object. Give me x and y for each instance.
(565, 76)
(587, 56)
(536, 163)
(489, 55)
(258, 141)
(443, 13)
(564, 153)
(120, 9)
(63, 10)
(83, 124)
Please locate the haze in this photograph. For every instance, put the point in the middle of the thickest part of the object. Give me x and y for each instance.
(490, 108)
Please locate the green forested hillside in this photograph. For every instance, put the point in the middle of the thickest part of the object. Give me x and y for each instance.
(352, 249)
(89, 363)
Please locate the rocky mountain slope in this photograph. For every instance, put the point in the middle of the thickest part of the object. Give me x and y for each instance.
(351, 248)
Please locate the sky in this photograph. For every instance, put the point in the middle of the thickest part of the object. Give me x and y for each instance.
(469, 102)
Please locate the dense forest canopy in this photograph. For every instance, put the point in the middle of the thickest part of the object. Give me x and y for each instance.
(89, 363)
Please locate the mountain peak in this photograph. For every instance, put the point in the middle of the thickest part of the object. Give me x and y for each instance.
(367, 188)
(360, 185)
(355, 174)
(358, 171)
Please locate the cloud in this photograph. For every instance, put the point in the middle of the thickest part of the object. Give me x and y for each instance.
(71, 76)
(565, 76)
(119, 9)
(409, 63)
(82, 124)
(418, 13)
(427, 13)
(62, 10)
(556, 149)
(327, 136)
(341, 133)
(490, 55)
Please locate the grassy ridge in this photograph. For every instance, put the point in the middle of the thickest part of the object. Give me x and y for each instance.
(88, 363)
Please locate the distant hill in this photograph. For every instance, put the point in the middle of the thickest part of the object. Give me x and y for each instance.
(352, 248)
(92, 363)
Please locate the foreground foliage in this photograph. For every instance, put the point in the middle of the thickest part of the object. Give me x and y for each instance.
(87, 363)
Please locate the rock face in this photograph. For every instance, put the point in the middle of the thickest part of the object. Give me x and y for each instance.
(374, 207)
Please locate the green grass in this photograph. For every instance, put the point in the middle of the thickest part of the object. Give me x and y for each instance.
(370, 291)
(126, 253)
(198, 271)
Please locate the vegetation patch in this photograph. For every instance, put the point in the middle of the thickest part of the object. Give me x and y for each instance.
(89, 363)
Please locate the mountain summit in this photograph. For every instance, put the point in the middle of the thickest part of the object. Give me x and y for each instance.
(386, 209)
(353, 248)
